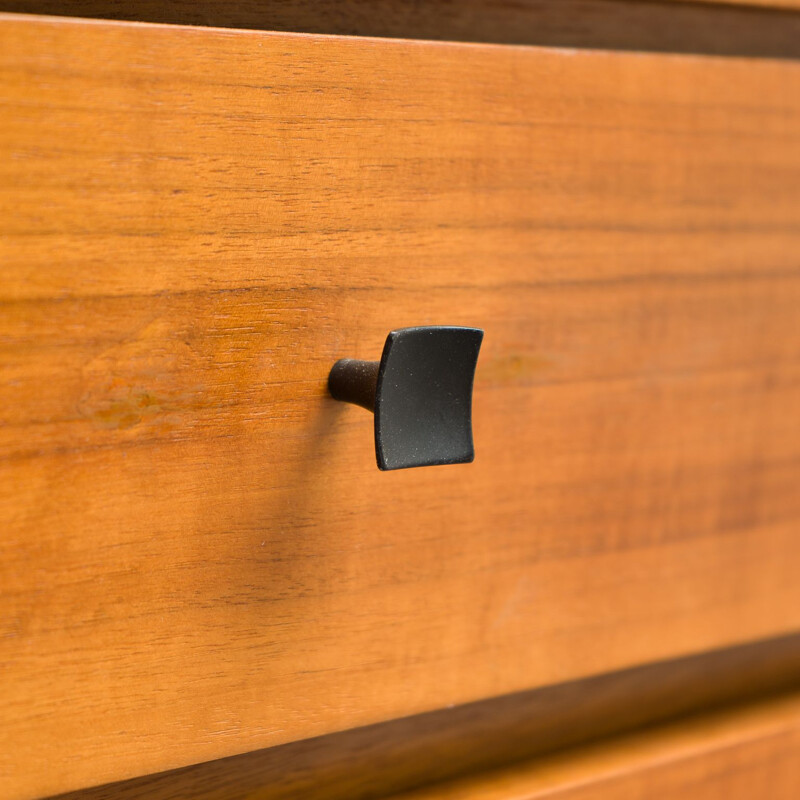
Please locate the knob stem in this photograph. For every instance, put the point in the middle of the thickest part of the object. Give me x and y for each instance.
(354, 381)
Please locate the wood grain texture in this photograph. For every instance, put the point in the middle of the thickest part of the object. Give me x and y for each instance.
(732, 755)
(680, 27)
(199, 556)
(780, 4)
(399, 755)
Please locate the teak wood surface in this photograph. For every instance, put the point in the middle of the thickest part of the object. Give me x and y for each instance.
(467, 741)
(198, 555)
(739, 754)
(668, 26)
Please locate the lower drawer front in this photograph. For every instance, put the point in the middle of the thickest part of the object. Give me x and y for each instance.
(199, 557)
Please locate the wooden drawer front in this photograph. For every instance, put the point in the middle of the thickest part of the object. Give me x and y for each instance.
(199, 556)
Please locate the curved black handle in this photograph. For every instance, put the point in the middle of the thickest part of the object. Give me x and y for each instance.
(420, 392)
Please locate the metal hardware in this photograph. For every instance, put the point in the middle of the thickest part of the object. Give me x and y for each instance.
(420, 392)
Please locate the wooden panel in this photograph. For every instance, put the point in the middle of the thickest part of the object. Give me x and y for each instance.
(378, 760)
(771, 4)
(733, 755)
(607, 24)
(200, 557)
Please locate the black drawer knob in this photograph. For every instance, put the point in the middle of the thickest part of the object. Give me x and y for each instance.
(420, 392)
